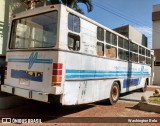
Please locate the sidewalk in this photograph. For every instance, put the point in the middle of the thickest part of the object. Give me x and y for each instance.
(135, 96)
(153, 87)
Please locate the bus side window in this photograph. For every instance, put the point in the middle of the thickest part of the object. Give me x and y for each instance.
(100, 34)
(148, 61)
(111, 52)
(73, 23)
(133, 57)
(73, 42)
(100, 49)
(123, 54)
(134, 47)
(148, 53)
(142, 59)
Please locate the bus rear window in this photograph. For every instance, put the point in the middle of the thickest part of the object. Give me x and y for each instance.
(39, 31)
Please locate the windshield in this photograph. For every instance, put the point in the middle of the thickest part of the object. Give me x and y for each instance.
(39, 31)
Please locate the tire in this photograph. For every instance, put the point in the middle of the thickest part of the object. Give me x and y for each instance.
(114, 93)
(144, 88)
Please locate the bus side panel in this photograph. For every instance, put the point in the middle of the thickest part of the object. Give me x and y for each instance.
(89, 78)
(82, 92)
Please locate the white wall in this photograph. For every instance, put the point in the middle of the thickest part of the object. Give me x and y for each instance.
(156, 44)
(156, 31)
(2, 8)
(135, 35)
(156, 7)
(156, 35)
(156, 80)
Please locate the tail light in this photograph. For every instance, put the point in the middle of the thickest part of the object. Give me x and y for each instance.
(51, 6)
(57, 73)
(5, 70)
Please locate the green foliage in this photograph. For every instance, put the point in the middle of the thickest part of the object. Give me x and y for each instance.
(154, 99)
(70, 3)
(74, 4)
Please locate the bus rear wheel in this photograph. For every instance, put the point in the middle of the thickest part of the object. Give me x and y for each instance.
(145, 87)
(114, 93)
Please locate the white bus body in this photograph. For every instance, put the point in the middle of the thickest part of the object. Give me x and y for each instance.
(70, 68)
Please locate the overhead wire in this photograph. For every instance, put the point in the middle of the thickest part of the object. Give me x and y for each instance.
(122, 15)
(127, 18)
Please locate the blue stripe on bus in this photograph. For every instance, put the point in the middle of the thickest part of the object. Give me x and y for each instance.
(73, 74)
(47, 61)
(33, 58)
(96, 71)
(23, 74)
(131, 82)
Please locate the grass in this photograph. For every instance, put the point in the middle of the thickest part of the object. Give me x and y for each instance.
(154, 99)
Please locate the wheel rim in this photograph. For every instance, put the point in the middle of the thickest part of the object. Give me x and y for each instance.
(114, 93)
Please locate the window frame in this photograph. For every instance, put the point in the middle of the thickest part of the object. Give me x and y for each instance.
(148, 63)
(134, 47)
(112, 38)
(148, 53)
(112, 55)
(97, 48)
(142, 50)
(142, 61)
(100, 34)
(74, 44)
(73, 27)
(126, 51)
(14, 25)
(130, 58)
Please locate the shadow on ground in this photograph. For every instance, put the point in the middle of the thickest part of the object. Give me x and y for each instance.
(44, 111)
(122, 96)
(146, 107)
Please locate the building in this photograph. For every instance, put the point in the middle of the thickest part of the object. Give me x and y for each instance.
(3, 31)
(133, 34)
(156, 42)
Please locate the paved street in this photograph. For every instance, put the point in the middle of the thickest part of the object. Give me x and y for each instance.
(50, 113)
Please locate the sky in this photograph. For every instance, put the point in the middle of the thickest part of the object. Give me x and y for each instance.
(116, 13)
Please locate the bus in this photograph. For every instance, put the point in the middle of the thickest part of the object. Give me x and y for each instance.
(54, 52)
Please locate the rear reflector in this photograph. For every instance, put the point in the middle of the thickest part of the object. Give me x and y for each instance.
(57, 66)
(57, 73)
(56, 79)
(51, 6)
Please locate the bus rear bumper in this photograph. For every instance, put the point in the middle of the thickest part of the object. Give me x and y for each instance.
(29, 94)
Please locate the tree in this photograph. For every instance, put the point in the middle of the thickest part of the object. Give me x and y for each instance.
(70, 3)
(74, 4)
